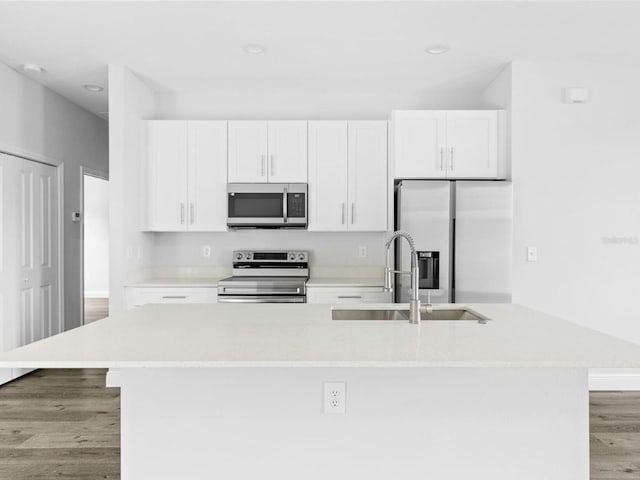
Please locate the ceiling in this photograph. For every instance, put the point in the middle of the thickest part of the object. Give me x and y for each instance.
(364, 47)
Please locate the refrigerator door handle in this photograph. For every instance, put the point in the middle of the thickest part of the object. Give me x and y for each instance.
(451, 164)
(441, 158)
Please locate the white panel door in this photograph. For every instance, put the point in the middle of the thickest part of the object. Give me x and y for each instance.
(29, 264)
(472, 144)
(247, 152)
(287, 152)
(167, 164)
(419, 144)
(207, 172)
(328, 157)
(367, 202)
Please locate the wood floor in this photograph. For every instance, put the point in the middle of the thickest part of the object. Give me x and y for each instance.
(60, 424)
(95, 309)
(65, 424)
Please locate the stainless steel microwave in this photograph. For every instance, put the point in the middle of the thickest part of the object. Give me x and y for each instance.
(267, 205)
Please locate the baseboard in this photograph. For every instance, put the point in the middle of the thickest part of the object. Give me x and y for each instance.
(608, 381)
(96, 294)
(113, 378)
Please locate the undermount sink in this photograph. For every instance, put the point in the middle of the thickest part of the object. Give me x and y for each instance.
(459, 314)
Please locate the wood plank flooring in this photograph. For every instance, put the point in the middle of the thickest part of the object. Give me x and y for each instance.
(65, 424)
(95, 309)
(61, 424)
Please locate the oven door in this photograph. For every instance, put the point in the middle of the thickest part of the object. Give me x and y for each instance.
(253, 205)
(262, 299)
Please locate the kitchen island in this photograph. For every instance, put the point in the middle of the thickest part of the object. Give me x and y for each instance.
(237, 392)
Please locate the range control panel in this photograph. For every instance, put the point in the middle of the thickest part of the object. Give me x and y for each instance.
(263, 256)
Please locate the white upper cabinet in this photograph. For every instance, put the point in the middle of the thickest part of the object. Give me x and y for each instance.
(368, 176)
(207, 172)
(274, 152)
(186, 176)
(287, 152)
(419, 141)
(328, 152)
(448, 144)
(167, 175)
(248, 152)
(347, 176)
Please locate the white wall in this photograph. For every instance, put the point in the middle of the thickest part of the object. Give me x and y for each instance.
(130, 102)
(576, 174)
(335, 250)
(96, 237)
(318, 106)
(42, 125)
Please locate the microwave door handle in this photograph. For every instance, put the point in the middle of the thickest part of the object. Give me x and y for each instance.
(284, 204)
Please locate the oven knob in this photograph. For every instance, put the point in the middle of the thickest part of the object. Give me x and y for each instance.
(292, 256)
(248, 256)
(239, 256)
(302, 257)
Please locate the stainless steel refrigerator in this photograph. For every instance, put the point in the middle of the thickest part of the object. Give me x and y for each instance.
(463, 234)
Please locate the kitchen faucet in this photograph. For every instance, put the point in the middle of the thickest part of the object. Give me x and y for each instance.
(414, 304)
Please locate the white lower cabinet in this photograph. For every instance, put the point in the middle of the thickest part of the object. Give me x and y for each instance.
(138, 296)
(346, 295)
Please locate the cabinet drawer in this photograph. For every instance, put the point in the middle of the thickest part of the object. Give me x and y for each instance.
(137, 296)
(347, 295)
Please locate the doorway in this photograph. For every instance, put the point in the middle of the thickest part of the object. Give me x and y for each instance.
(95, 250)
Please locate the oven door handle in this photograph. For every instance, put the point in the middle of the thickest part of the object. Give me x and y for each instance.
(260, 291)
(261, 299)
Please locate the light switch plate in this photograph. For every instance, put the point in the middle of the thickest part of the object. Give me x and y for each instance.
(532, 254)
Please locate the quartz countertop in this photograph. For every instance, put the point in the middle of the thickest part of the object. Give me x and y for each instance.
(345, 282)
(277, 335)
(170, 282)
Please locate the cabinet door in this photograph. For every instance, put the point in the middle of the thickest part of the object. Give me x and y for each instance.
(167, 180)
(247, 152)
(287, 152)
(207, 169)
(328, 149)
(418, 144)
(472, 144)
(367, 176)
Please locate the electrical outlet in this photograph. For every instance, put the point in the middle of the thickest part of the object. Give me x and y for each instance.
(206, 251)
(335, 397)
(532, 254)
(362, 251)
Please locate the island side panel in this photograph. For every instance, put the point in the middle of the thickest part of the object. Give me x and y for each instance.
(414, 423)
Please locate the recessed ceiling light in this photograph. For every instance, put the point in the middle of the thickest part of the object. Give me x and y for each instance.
(437, 49)
(33, 68)
(254, 48)
(93, 88)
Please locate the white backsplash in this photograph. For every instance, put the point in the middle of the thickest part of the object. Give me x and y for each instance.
(181, 253)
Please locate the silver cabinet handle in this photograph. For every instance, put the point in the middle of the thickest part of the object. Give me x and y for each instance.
(344, 210)
(192, 213)
(349, 296)
(174, 296)
(182, 214)
(262, 160)
(451, 164)
(273, 161)
(441, 158)
(353, 213)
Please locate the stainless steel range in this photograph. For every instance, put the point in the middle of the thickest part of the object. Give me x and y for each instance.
(266, 277)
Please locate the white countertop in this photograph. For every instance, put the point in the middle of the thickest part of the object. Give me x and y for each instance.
(170, 282)
(345, 282)
(276, 335)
